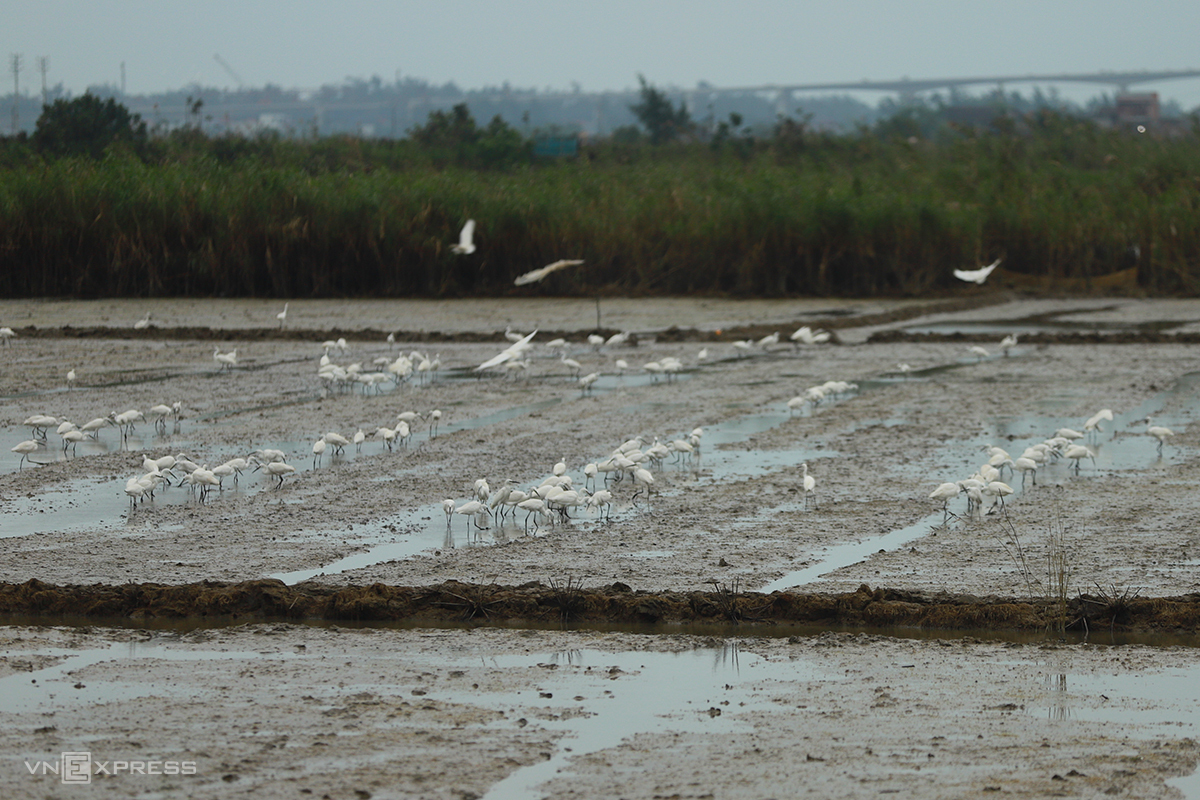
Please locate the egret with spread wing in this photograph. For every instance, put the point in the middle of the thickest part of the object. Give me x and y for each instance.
(976, 275)
(465, 239)
(536, 275)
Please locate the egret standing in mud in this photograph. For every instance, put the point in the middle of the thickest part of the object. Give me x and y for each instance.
(945, 492)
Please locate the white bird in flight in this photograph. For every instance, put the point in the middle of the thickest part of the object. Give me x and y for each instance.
(533, 276)
(976, 275)
(466, 236)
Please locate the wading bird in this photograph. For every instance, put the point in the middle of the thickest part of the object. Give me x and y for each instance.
(282, 316)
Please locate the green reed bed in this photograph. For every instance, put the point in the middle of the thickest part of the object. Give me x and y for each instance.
(849, 217)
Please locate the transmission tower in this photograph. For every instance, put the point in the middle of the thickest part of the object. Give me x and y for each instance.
(15, 66)
(43, 64)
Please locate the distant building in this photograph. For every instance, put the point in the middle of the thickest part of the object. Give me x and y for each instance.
(1136, 108)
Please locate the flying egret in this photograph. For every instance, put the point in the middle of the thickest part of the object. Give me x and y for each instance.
(535, 275)
(1093, 422)
(976, 275)
(466, 244)
(282, 316)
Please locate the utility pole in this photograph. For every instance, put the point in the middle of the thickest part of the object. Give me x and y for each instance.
(15, 66)
(43, 63)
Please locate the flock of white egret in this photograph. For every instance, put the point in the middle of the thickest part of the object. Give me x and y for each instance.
(630, 464)
(985, 485)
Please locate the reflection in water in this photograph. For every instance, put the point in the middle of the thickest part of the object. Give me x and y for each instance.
(1060, 701)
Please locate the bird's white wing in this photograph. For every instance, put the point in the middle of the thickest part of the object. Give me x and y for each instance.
(537, 274)
(532, 276)
(494, 360)
(467, 235)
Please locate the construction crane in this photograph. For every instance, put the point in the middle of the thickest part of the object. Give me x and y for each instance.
(225, 65)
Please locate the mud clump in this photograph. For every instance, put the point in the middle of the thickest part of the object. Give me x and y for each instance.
(536, 603)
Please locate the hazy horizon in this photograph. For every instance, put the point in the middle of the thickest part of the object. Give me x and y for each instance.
(168, 45)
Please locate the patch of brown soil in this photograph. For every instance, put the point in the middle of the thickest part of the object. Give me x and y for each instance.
(534, 602)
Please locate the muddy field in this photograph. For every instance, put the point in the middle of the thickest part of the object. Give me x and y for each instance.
(719, 530)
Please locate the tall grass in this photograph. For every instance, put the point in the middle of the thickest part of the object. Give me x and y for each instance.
(845, 216)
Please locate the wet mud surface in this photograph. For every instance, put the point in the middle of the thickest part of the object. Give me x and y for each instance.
(727, 537)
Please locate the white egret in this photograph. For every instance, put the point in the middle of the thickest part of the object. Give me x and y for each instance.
(767, 342)
(1078, 452)
(473, 510)
(945, 493)
(572, 365)
(336, 441)
(71, 439)
(225, 360)
(617, 339)
(977, 276)
(282, 316)
(71, 379)
(586, 381)
(318, 450)
(435, 417)
(466, 243)
(808, 482)
(359, 438)
(1025, 466)
(978, 351)
(1158, 432)
(142, 323)
(7, 333)
(278, 470)
(533, 276)
(532, 506)
(24, 449)
(999, 490)
(1008, 343)
(1093, 422)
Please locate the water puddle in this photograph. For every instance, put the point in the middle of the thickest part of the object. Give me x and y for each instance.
(1166, 705)
(653, 692)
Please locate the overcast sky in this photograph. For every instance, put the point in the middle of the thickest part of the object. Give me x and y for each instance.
(602, 44)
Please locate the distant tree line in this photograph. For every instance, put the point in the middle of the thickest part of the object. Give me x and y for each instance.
(99, 202)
